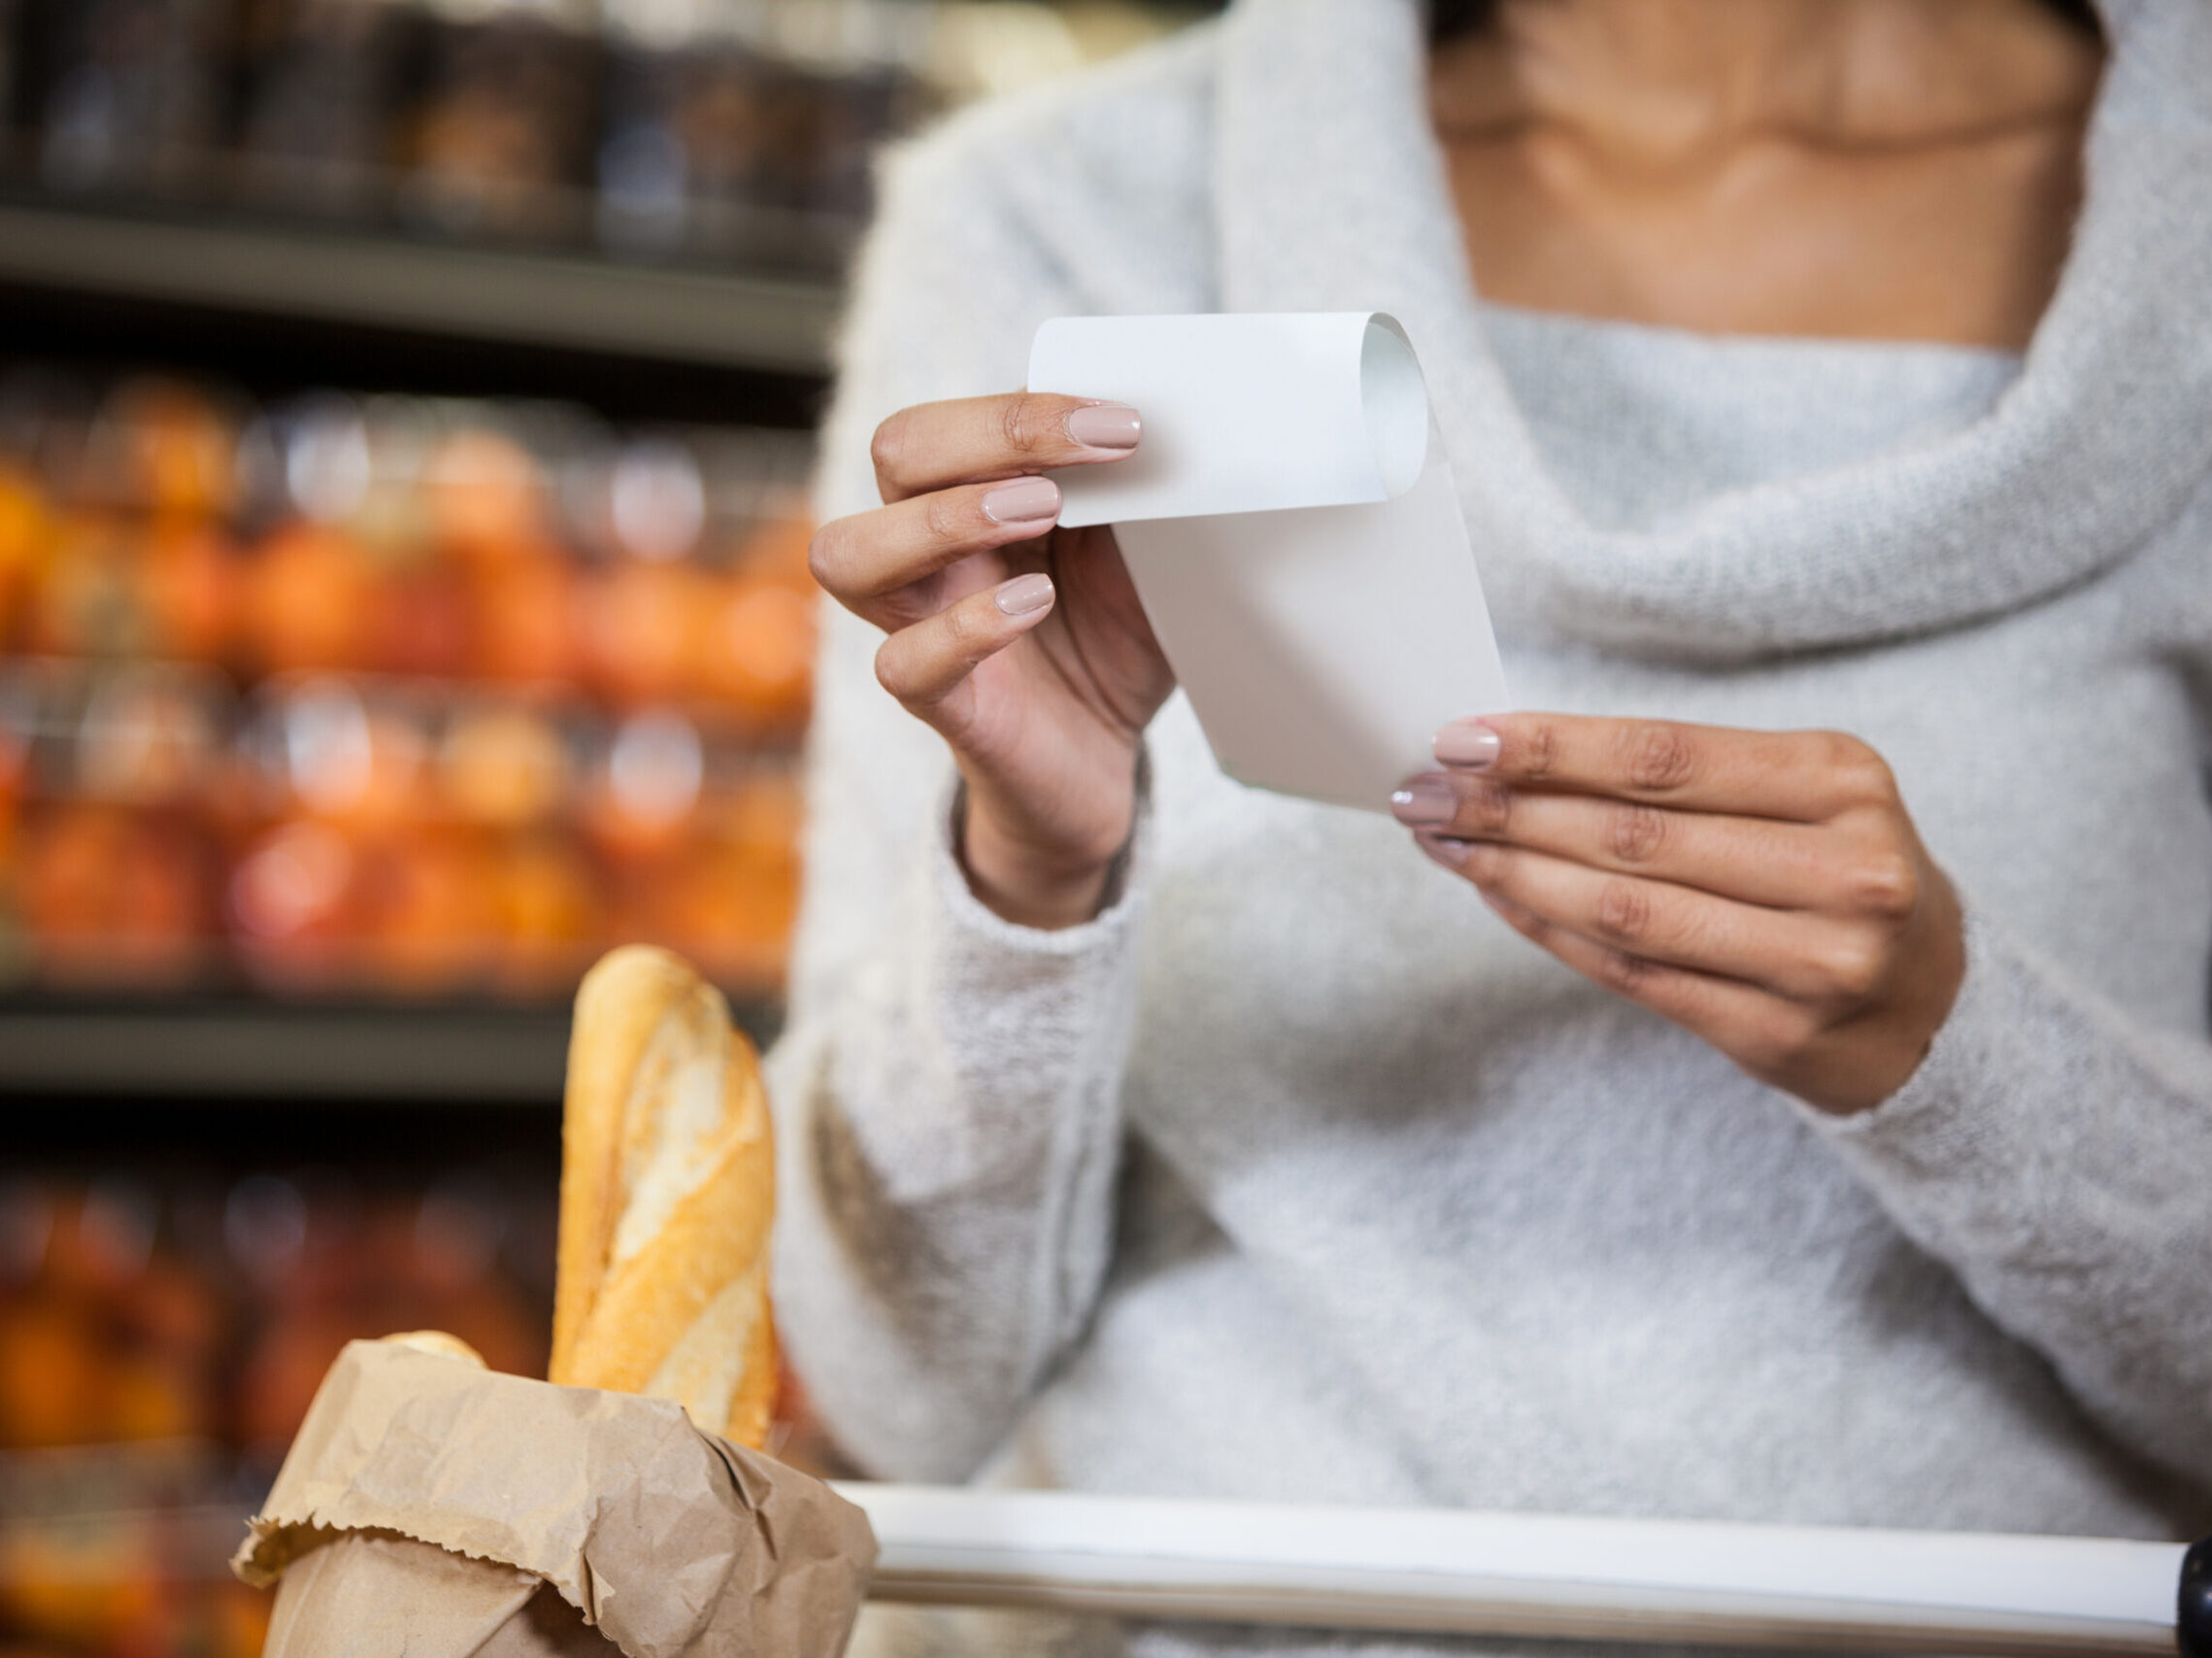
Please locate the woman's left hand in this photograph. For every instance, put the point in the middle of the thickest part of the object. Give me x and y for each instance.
(1765, 890)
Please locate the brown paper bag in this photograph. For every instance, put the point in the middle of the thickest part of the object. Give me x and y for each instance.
(433, 1508)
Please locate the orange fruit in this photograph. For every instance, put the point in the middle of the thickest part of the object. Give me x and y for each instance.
(644, 626)
(191, 583)
(758, 652)
(309, 596)
(525, 619)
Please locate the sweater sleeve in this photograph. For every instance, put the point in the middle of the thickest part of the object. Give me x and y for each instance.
(947, 1086)
(2058, 1155)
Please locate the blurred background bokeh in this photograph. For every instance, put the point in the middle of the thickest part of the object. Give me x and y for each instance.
(405, 430)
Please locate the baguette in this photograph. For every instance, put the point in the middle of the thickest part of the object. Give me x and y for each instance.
(667, 1191)
(439, 1343)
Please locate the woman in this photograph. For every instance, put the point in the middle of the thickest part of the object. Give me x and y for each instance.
(1686, 1108)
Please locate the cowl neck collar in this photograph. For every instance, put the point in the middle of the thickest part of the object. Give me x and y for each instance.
(1333, 196)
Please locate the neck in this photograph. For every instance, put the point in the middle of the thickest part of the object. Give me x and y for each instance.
(1891, 169)
(1677, 81)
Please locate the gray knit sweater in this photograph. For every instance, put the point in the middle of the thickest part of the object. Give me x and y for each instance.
(1297, 1175)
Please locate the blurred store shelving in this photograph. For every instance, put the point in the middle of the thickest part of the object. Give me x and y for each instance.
(390, 699)
(337, 733)
(684, 179)
(404, 414)
(718, 130)
(160, 1340)
(394, 698)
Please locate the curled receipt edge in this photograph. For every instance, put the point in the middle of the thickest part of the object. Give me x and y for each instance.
(1470, 1572)
(1291, 526)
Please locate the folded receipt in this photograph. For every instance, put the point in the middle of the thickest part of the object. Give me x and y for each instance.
(1292, 526)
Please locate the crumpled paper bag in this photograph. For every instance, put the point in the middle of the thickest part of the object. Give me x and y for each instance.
(433, 1508)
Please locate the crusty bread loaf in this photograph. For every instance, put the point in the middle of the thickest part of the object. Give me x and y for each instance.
(666, 1194)
(439, 1343)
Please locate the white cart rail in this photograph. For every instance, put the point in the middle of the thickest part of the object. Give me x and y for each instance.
(1459, 1572)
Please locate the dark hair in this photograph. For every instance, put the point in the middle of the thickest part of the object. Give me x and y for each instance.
(1447, 19)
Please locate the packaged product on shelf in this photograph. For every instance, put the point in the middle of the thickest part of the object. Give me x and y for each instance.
(110, 869)
(319, 81)
(715, 134)
(718, 144)
(500, 139)
(760, 633)
(128, 95)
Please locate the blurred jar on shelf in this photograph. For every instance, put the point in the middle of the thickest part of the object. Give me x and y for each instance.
(309, 600)
(500, 141)
(489, 504)
(504, 764)
(128, 94)
(106, 1333)
(291, 907)
(114, 868)
(645, 782)
(646, 606)
(26, 544)
(747, 132)
(330, 1260)
(348, 750)
(550, 912)
(320, 85)
(757, 655)
(731, 896)
(168, 448)
(113, 897)
(86, 597)
(428, 913)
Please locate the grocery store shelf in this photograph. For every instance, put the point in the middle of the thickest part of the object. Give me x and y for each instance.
(774, 323)
(266, 1049)
(245, 1048)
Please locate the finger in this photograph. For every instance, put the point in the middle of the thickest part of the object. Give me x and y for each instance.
(1800, 776)
(1758, 1031)
(1755, 860)
(927, 665)
(977, 439)
(866, 560)
(1803, 957)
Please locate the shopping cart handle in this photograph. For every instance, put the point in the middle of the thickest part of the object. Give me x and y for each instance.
(1457, 1571)
(2193, 1617)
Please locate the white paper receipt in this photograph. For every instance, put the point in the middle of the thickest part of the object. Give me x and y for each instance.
(1292, 526)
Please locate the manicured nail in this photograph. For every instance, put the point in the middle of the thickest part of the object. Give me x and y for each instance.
(1024, 594)
(1024, 500)
(1105, 425)
(1466, 744)
(1447, 850)
(1424, 801)
(1509, 912)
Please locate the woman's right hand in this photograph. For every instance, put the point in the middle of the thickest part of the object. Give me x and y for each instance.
(1023, 645)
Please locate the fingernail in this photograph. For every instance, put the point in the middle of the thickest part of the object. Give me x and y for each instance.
(1024, 594)
(1507, 910)
(1424, 801)
(1105, 425)
(1446, 850)
(1465, 743)
(1024, 500)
